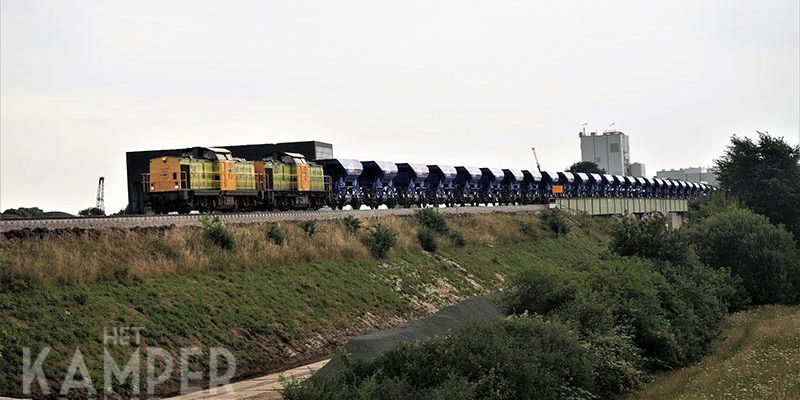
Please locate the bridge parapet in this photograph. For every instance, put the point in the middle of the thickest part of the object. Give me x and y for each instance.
(622, 205)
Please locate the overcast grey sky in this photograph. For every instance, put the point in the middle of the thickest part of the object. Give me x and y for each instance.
(451, 82)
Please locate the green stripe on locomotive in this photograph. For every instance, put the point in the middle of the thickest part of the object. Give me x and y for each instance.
(281, 175)
(317, 177)
(245, 176)
(203, 174)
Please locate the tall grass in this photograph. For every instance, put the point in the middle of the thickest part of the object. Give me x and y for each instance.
(116, 255)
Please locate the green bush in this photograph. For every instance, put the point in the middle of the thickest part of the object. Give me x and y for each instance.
(276, 234)
(702, 207)
(617, 364)
(540, 290)
(352, 223)
(649, 237)
(24, 212)
(427, 239)
(217, 233)
(554, 220)
(458, 238)
(159, 247)
(763, 256)
(530, 229)
(380, 240)
(91, 212)
(432, 219)
(518, 358)
(671, 312)
(309, 227)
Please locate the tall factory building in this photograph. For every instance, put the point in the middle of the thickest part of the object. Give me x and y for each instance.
(609, 150)
(637, 169)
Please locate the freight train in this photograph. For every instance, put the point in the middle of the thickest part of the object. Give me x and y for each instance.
(209, 179)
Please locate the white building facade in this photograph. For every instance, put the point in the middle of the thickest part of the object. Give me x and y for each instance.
(697, 175)
(609, 150)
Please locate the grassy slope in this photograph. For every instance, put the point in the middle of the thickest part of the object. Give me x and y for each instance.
(272, 316)
(758, 358)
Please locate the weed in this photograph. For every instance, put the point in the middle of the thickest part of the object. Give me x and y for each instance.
(380, 241)
(431, 219)
(276, 234)
(458, 238)
(217, 233)
(554, 220)
(309, 227)
(80, 298)
(159, 247)
(352, 223)
(427, 239)
(530, 229)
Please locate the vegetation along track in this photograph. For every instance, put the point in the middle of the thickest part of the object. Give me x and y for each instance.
(141, 221)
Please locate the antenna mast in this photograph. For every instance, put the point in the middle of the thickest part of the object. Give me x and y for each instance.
(101, 183)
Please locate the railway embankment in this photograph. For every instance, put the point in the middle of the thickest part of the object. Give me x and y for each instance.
(274, 295)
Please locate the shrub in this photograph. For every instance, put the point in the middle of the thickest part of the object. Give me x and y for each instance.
(309, 227)
(91, 211)
(763, 256)
(159, 247)
(649, 237)
(217, 233)
(539, 290)
(458, 238)
(432, 219)
(554, 220)
(617, 364)
(530, 229)
(352, 223)
(276, 234)
(702, 207)
(427, 240)
(24, 212)
(672, 313)
(380, 240)
(518, 358)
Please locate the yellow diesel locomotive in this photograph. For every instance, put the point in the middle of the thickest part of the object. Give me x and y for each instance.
(210, 179)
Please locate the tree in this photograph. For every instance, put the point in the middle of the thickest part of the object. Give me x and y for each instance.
(24, 212)
(586, 167)
(91, 211)
(762, 255)
(765, 177)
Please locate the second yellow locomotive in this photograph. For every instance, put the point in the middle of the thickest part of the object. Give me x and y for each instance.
(211, 179)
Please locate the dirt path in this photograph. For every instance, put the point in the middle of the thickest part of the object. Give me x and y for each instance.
(264, 388)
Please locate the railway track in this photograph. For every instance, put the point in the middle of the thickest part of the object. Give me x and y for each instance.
(143, 221)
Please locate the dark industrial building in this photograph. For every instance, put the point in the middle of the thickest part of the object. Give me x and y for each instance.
(138, 162)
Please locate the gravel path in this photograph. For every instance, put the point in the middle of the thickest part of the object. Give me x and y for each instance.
(132, 221)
